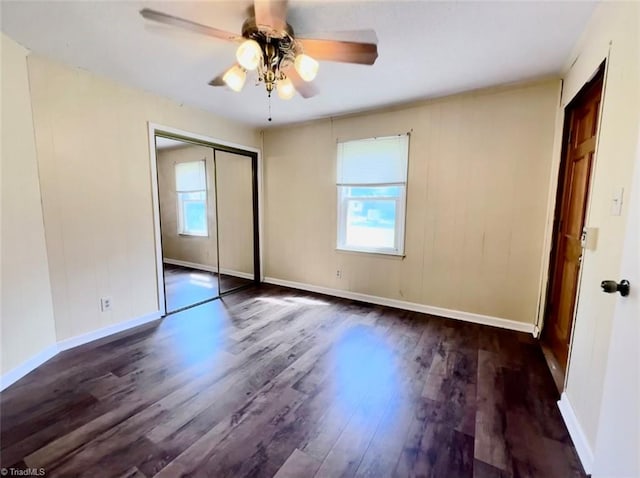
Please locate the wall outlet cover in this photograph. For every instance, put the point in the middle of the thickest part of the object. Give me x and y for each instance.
(105, 304)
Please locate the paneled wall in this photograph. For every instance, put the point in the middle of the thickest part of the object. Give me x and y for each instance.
(95, 177)
(479, 167)
(27, 326)
(235, 213)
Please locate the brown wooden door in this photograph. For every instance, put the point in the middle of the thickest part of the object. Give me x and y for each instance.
(582, 115)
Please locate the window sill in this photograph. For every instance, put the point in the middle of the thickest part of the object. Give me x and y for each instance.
(387, 255)
(185, 234)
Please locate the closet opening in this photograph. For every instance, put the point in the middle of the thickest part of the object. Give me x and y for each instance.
(206, 218)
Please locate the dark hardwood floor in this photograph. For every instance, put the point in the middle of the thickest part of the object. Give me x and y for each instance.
(276, 382)
(185, 286)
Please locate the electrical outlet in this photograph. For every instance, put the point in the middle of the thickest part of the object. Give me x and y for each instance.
(339, 274)
(105, 304)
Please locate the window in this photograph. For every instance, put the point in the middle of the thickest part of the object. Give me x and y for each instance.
(372, 191)
(191, 190)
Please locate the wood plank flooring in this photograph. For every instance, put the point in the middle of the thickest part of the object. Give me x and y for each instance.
(271, 381)
(185, 286)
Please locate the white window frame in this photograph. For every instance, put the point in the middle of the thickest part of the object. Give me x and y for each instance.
(180, 202)
(343, 200)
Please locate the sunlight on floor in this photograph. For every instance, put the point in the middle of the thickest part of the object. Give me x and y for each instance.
(292, 300)
(306, 301)
(202, 283)
(365, 369)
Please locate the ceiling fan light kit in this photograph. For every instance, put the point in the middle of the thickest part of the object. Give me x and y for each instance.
(271, 53)
(306, 67)
(249, 54)
(286, 91)
(235, 77)
(269, 47)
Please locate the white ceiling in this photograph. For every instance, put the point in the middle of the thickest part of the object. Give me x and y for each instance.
(167, 143)
(426, 49)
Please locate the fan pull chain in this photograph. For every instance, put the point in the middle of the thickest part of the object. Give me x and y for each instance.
(269, 106)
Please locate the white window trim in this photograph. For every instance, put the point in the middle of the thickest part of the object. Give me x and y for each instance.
(401, 203)
(401, 211)
(180, 203)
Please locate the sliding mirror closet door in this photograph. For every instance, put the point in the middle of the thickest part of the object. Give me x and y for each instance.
(235, 207)
(186, 190)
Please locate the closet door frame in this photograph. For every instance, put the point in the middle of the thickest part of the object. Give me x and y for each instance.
(254, 154)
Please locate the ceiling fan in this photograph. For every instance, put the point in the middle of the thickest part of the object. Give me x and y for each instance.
(268, 44)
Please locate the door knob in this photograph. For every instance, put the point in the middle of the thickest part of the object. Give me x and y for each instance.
(611, 287)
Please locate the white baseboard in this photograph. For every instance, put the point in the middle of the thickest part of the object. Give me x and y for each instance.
(577, 434)
(192, 265)
(204, 267)
(34, 362)
(66, 344)
(82, 339)
(29, 365)
(401, 304)
(231, 272)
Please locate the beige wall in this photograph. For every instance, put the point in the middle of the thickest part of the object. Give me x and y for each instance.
(235, 212)
(198, 250)
(614, 23)
(27, 313)
(478, 182)
(93, 154)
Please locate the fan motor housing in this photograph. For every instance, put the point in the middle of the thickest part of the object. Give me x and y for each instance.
(250, 28)
(277, 45)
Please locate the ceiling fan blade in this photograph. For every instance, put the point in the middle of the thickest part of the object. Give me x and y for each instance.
(272, 13)
(187, 24)
(367, 35)
(343, 51)
(304, 88)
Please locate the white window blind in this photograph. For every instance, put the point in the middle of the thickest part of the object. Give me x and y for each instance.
(373, 161)
(191, 176)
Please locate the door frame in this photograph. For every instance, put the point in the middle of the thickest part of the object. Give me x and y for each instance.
(215, 143)
(555, 205)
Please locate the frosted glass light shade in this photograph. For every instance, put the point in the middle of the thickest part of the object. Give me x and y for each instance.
(249, 54)
(285, 89)
(235, 78)
(306, 67)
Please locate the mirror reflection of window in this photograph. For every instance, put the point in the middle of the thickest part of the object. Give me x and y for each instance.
(186, 196)
(191, 193)
(206, 212)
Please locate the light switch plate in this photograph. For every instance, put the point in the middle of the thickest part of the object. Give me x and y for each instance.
(590, 238)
